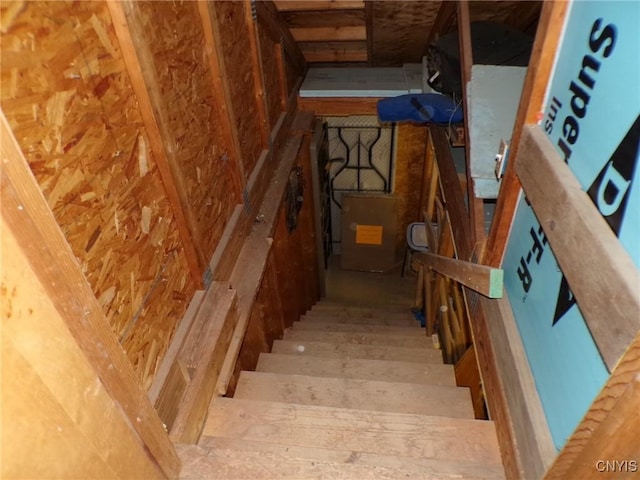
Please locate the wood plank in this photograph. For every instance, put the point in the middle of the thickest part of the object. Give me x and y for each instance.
(216, 337)
(543, 54)
(438, 400)
(422, 468)
(468, 375)
(357, 338)
(268, 14)
(375, 432)
(485, 280)
(27, 215)
(598, 268)
(443, 22)
(268, 461)
(145, 85)
(609, 430)
(325, 34)
(339, 106)
(318, 5)
(328, 326)
(374, 352)
(358, 368)
(351, 51)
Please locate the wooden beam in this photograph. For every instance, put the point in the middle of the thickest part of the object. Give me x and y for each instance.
(480, 278)
(442, 23)
(476, 208)
(342, 106)
(452, 195)
(258, 74)
(139, 64)
(533, 91)
(221, 91)
(27, 214)
(368, 20)
(269, 15)
(325, 34)
(601, 274)
(305, 5)
(324, 18)
(609, 430)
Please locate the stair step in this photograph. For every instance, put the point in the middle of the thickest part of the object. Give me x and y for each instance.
(454, 402)
(358, 368)
(268, 462)
(345, 307)
(350, 350)
(392, 321)
(359, 338)
(330, 326)
(373, 313)
(400, 434)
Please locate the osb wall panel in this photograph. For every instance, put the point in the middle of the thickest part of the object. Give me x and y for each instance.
(271, 75)
(175, 39)
(400, 31)
(410, 155)
(236, 48)
(71, 106)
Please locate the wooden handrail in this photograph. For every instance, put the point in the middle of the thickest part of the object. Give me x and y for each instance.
(485, 280)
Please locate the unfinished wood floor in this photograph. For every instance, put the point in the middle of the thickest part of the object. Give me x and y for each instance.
(351, 392)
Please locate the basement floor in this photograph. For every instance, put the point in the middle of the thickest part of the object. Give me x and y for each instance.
(369, 288)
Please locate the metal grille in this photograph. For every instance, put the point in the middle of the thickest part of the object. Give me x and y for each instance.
(361, 156)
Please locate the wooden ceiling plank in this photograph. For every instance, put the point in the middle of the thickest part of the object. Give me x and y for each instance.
(320, 34)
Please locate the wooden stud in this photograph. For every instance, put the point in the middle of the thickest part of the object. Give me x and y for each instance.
(597, 266)
(140, 68)
(533, 92)
(476, 207)
(26, 213)
(442, 23)
(221, 92)
(258, 74)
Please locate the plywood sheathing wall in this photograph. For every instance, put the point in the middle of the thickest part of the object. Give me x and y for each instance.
(236, 48)
(191, 115)
(70, 103)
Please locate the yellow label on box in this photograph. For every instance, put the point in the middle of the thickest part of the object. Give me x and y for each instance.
(369, 234)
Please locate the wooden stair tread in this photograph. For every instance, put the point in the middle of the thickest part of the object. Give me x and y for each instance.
(399, 434)
(329, 326)
(345, 307)
(397, 320)
(229, 459)
(349, 350)
(358, 368)
(454, 402)
(359, 338)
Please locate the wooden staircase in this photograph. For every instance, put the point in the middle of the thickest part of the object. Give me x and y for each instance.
(349, 393)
